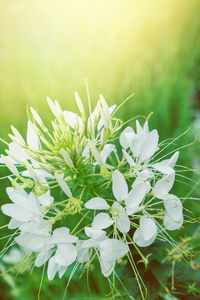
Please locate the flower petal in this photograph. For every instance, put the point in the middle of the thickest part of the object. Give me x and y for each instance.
(94, 233)
(43, 257)
(107, 267)
(70, 119)
(32, 137)
(140, 241)
(136, 195)
(128, 158)
(149, 145)
(148, 228)
(173, 207)
(61, 236)
(122, 220)
(171, 224)
(163, 186)
(119, 186)
(107, 150)
(163, 167)
(102, 221)
(52, 268)
(112, 249)
(126, 137)
(17, 212)
(96, 203)
(65, 254)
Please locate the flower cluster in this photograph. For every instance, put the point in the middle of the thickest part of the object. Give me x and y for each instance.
(87, 190)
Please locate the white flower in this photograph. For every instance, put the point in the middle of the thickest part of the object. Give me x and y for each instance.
(24, 208)
(66, 252)
(143, 144)
(27, 215)
(110, 249)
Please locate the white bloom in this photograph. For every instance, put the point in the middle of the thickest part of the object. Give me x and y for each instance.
(142, 144)
(24, 208)
(65, 255)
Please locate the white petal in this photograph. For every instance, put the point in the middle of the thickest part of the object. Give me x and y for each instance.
(52, 268)
(105, 106)
(96, 203)
(66, 254)
(30, 241)
(172, 161)
(146, 127)
(126, 137)
(149, 145)
(46, 199)
(43, 257)
(136, 144)
(128, 158)
(94, 233)
(138, 128)
(62, 271)
(119, 186)
(142, 177)
(86, 152)
(107, 150)
(123, 223)
(148, 228)
(122, 220)
(163, 186)
(171, 224)
(61, 235)
(16, 212)
(70, 119)
(107, 267)
(18, 151)
(13, 224)
(140, 241)
(102, 221)
(133, 210)
(94, 242)
(82, 253)
(32, 137)
(112, 249)
(15, 194)
(136, 195)
(173, 207)
(163, 167)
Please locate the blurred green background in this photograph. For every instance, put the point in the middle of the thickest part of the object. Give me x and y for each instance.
(147, 47)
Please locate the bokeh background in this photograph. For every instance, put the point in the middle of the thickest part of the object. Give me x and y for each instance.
(147, 47)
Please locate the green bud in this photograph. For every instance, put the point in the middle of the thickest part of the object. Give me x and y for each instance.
(38, 120)
(39, 133)
(103, 136)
